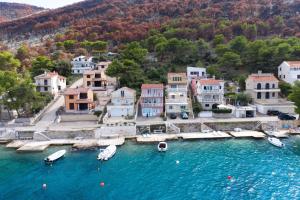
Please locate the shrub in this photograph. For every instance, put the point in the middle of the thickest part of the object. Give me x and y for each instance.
(222, 111)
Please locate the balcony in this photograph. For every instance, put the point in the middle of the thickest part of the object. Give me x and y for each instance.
(210, 100)
(266, 90)
(145, 105)
(210, 91)
(152, 95)
(176, 101)
(180, 89)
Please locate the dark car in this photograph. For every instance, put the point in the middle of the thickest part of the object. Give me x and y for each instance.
(173, 116)
(284, 116)
(184, 115)
(273, 113)
(249, 115)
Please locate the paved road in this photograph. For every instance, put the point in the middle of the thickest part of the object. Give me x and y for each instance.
(50, 115)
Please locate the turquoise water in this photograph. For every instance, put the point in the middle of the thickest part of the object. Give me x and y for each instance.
(258, 171)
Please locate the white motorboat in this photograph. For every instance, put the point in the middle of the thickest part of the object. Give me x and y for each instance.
(55, 156)
(162, 146)
(276, 142)
(107, 153)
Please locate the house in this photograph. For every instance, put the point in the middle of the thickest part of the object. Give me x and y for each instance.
(196, 73)
(209, 92)
(50, 82)
(79, 99)
(152, 100)
(264, 91)
(177, 100)
(289, 71)
(81, 64)
(98, 80)
(102, 65)
(122, 103)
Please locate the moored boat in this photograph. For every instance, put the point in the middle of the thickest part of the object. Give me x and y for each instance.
(55, 156)
(107, 153)
(162, 146)
(276, 142)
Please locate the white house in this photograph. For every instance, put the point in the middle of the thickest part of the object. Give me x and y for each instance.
(264, 90)
(81, 64)
(50, 82)
(195, 73)
(289, 71)
(122, 103)
(209, 92)
(177, 100)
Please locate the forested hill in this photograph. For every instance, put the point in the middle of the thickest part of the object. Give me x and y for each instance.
(128, 20)
(12, 11)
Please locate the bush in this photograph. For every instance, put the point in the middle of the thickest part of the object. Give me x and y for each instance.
(222, 111)
(98, 113)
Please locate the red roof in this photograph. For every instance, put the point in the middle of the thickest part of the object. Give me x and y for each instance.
(210, 81)
(50, 75)
(71, 91)
(262, 77)
(154, 86)
(293, 63)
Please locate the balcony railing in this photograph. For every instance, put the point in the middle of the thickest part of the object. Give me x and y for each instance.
(152, 104)
(152, 95)
(211, 91)
(181, 100)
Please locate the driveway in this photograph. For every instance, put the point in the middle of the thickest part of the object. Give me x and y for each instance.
(50, 115)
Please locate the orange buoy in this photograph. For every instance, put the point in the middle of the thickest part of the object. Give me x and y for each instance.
(102, 184)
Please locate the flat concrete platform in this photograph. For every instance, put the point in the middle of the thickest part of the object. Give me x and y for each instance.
(247, 134)
(34, 146)
(86, 144)
(153, 138)
(278, 134)
(17, 144)
(211, 135)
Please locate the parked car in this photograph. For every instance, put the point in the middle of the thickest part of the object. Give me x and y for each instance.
(184, 115)
(173, 116)
(249, 115)
(284, 116)
(273, 113)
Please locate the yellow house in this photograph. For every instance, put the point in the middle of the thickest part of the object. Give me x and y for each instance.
(79, 99)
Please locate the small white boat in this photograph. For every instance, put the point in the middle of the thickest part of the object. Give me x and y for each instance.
(162, 146)
(55, 156)
(276, 142)
(107, 153)
(237, 129)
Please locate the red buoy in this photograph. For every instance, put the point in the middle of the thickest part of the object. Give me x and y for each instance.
(102, 184)
(229, 177)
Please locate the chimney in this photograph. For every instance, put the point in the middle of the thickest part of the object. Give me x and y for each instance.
(214, 77)
(259, 72)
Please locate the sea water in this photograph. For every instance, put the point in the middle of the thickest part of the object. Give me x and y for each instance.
(221, 169)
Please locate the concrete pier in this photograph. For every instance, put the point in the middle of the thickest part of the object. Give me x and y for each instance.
(17, 144)
(247, 134)
(278, 134)
(154, 138)
(211, 135)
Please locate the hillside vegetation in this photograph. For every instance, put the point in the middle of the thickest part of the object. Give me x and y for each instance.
(12, 11)
(123, 21)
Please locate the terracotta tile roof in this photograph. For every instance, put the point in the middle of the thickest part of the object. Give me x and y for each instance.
(71, 91)
(262, 77)
(293, 63)
(210, 81)
(149, 86)
(49, 75)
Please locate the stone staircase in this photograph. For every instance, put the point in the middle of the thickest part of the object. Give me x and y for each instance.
(172, 129)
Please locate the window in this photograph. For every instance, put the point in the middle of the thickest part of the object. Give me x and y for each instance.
(280, 69)
(88, 76)
(173, 96)
(298, 76)
(182, 107)
(45, 82)
(45, 88)
(283, 76)
(71, 106)
(122, 93)
(273, 85)
(258, 86)
(88, 83)
(206, 105)
(279, 76)
(258, 95)
(83, 96)
(71, 97)
(267, 85)
(170, 107)
(273, 94)
(97, 75)
(267, 95)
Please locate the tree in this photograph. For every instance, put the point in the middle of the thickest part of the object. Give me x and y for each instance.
(285, 88)
(8, 62)
(295, 95)
(134, 51)
(238, 44)
(230, 60)
(41, 64)
(243, 99)
(219, 39)
(63, 68)
(242, 82)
